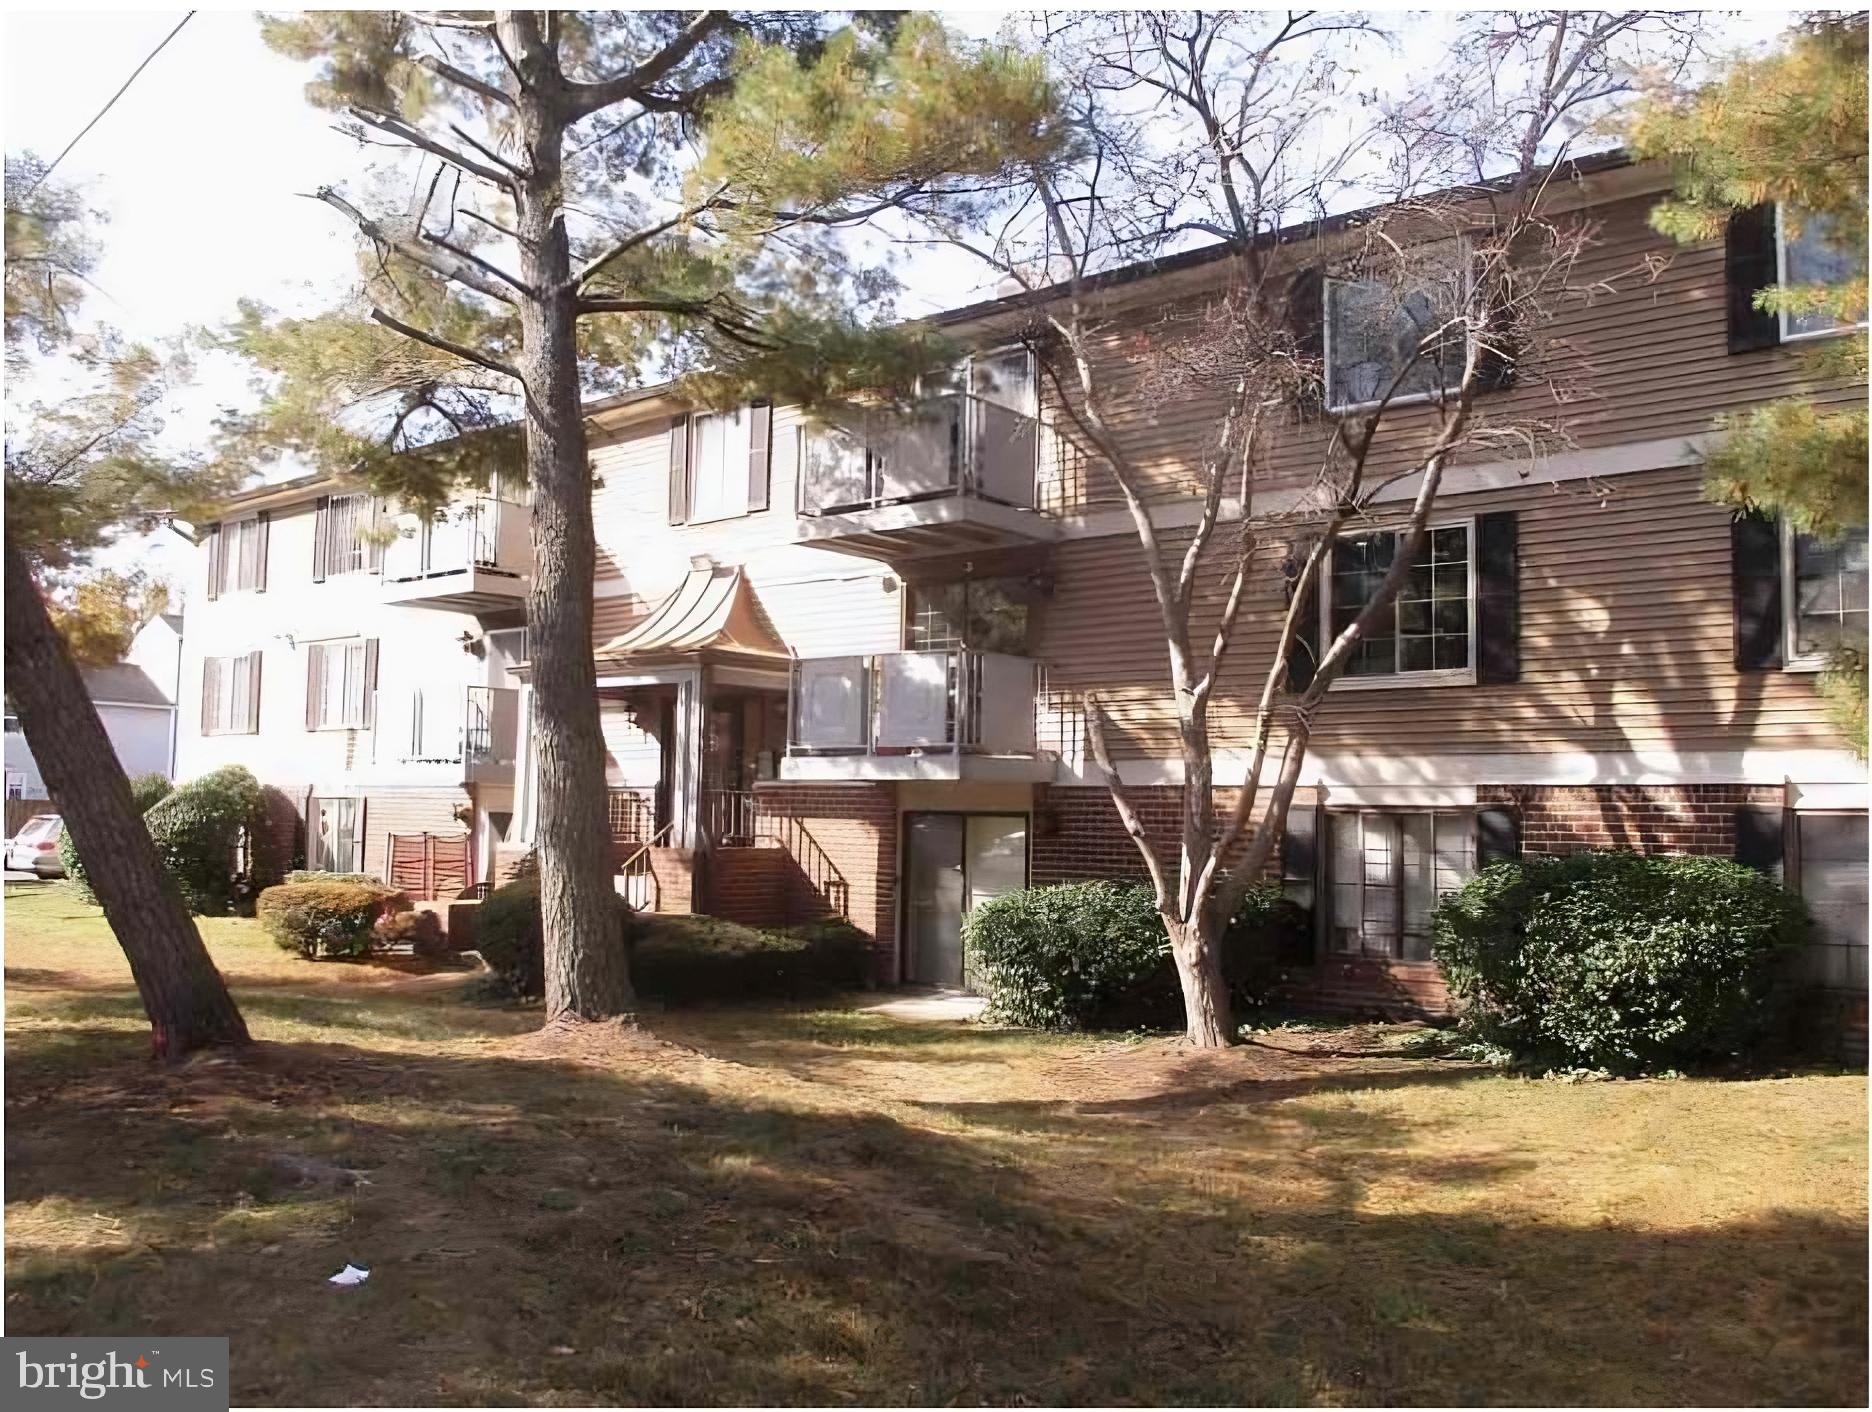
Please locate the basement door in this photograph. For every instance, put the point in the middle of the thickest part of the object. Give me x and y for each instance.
(953, 863)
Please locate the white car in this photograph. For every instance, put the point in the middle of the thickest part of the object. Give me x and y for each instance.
(35, 848)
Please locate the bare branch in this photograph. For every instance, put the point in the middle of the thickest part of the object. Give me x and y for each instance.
(441, 344)
(583, 99)
(445, 70)
(419, 251)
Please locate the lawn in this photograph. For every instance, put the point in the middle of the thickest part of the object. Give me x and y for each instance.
(770, 1205)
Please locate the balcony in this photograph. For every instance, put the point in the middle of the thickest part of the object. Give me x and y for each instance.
(473, 558)
(473, 729)
(954, 473)
(950, 715)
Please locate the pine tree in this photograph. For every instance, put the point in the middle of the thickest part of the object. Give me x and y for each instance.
(598, 196)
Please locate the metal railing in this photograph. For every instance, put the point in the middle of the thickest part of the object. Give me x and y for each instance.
(730, 818)
(896, 702)
(476, 727)
(947, 445)
(483, 533)
(632, 814)
(636, 880)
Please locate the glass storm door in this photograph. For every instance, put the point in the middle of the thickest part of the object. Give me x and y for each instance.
(954, 863)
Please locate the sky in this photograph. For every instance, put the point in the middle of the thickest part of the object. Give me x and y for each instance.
(203, 166)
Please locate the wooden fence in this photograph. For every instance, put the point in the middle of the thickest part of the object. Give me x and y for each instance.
(429, 865)
(18, 811)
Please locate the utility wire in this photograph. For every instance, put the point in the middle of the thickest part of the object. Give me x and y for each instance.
(111, 103)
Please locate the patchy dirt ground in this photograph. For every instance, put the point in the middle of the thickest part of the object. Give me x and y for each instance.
(824, 1206)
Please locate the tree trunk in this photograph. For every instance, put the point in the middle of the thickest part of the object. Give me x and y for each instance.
(587, 972)
(187, 1003)
(1197, 948)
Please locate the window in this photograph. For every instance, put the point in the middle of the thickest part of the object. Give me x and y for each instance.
(231, 695)
(1398, 327)
(1428, 631)
(983, 615)
(12, 724)
(237, 557)
(342, 537)
(718, 464)
(1385, 874)
(337, 844)
(1824, 593)
(340, 681)
(1812, 258)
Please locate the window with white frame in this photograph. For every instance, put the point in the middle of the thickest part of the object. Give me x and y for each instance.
(338, 685)
(238, 561)
(718, 464)
(343, 537)
(1428, 632)
(1807, 254)
(231, 695)
(1823, 596)
(337, 846)
(1398, 331)
(1385, 872)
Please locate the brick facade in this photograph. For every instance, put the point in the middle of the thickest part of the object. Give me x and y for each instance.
(842, 839)
(1697, 819)
(754, 886)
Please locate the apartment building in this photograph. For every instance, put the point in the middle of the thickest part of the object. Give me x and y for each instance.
(840, 665)
(366, 678)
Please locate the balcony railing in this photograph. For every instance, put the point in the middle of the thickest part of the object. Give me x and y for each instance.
(950, 445)
(476, 728)
(908, 702)
(485, 534)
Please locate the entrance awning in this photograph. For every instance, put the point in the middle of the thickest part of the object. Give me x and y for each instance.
(712, 615)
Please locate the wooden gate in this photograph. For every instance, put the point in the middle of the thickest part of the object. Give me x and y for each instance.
(430, 866)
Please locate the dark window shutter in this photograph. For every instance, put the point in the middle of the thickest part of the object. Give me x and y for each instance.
(1498, 598)
(760, 454)
(253, 693)
(1499, 354)
(1755, 580)
(370, 682)
(214, 562)
(679, 471)
(1759, 839)
(315, 683)
(321, 537)
(1750, 266)
(264, 533)
(1303, 652)
(210, 693)
(1300, 860)
(1306, 320)
(1497, 836)
(374, 546)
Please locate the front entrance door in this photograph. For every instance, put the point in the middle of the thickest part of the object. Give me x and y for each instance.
(955, 862)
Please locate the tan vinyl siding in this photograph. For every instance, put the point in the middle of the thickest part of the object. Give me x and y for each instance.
(1626, 632)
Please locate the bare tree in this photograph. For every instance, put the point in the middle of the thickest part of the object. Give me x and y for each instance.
(1234, 128)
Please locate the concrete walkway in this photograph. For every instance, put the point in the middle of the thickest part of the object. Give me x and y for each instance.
(917, 1003)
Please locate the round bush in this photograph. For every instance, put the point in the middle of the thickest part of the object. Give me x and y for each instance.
(509, 937)
(1074, 956)
(149, 790)
(326, 919)
(1620, 962)
(197, 830)
(418, 929)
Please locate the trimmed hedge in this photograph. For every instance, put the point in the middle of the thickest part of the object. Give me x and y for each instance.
(326, 919)
(305, 875)
(1074, 956)
(149, 790)
(1619, 962)
(678, 960)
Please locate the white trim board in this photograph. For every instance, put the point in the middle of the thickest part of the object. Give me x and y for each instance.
(1431, 772)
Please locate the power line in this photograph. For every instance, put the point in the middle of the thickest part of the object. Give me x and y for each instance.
(111, 103)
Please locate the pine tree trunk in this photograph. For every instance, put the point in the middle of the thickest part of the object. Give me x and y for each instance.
(183, 994)
(1197, 948)
(587, 971)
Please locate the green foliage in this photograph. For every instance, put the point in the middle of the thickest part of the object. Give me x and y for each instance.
(50, 252)
(684, 960)
(1268, 933)
(197, 830)
(1793, 459)
(99, 615)
(312, 875)
(1619, 962)
(510, 938)
(1076, 956)
(320, 920)
(418, 929)
(149, 790)
(1842, 688)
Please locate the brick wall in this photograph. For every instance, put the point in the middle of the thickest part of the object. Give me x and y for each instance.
(751, 886)
(842, 839)
(1644, 818)
(674, 871)
(1078, 837)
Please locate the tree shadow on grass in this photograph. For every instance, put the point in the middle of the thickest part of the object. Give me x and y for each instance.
(659, 1231)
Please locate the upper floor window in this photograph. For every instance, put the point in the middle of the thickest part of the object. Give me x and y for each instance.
(1428, 631)
(981, 615)
(237, 555)
(1823, 596)
(231, 695)
(1813, 257)
(341, 683)
(1398, 331)
(343, 537)
(719, 464)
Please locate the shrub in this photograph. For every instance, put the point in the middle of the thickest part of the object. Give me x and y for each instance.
(1619, 962)
(508, 936)
(418, 929)
(149, 790)
(1268, 933)
(1075, 956)
(679, 960)
(197, 830)
(303, 875)
(324, 919)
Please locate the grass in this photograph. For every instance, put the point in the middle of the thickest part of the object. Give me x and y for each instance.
(777, 1205)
